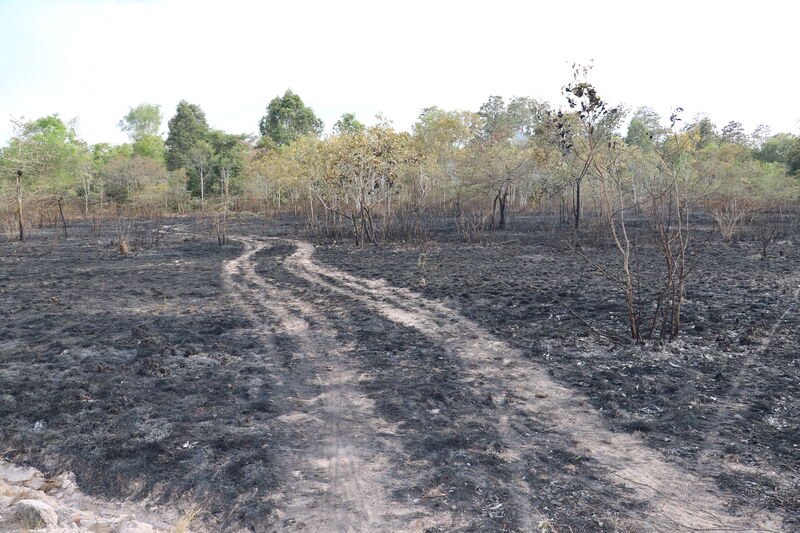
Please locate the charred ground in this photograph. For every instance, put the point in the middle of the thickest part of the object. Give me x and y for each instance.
(141, 375)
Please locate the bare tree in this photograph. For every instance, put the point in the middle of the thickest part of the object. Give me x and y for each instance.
(201, 156)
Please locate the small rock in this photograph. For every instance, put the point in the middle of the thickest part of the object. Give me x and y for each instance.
(132, 526)
(97, 527)
(17, 474)
(35, 483)
(67, 485)
(34, 514)
(50, 484)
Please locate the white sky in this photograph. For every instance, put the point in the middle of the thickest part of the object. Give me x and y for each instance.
(93, 59)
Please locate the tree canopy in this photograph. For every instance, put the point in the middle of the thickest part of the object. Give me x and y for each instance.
(347, 125)
(187, 128)
(288, 119)
(141, 121)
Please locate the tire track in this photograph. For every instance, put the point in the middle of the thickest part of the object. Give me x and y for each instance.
(677, 500)
(343, 462)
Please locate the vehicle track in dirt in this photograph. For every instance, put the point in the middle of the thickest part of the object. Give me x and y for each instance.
(676, 499)
(344, 462)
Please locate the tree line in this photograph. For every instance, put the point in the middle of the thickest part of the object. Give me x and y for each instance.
(375, 183)
(572, 164)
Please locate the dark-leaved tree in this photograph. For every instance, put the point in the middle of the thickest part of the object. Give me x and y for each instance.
(288, 119)
(186, 129)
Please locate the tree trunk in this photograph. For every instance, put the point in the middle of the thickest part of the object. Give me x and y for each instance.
(494, 210)
(61, 212)
(202, 192)
(19, 206)
(577, 204)
(503, 202)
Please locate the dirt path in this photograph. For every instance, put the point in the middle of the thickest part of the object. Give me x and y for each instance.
(345, 460)
(677, 500)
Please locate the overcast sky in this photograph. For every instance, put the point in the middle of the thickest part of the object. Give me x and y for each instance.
(93, 59)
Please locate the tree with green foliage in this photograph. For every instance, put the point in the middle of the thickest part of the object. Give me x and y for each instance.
(151, 146)
(141, 121)
(703, 130)
(777, 149)
(793, 159)
(142, 124)
(519, 120)
(760, 136)
(187, 128)
(347, 125)
(497, 173)
(15, 161)
(440, 131)
(733, 133)
(644, 129)
(739, 185)
(288, 119)
(361, 177)
(47, 158)
(440, 137)
(230, 154)
(580, 133)
(201, 158)
(23, 158)
(496, 127)
(527, 116)
(127, 178)
(101, 154)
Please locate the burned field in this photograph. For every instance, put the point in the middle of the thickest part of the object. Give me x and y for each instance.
(286, 386)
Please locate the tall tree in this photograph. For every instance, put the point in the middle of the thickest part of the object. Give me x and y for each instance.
(142, 120)
(733, 133)
(347, 125)
(518, 120)
(102, 153)
(760, 136)
(703, 130)
(201, 157)
(23, 159)
(440, 137)
(580, 134)
(777, 149)
(496, 127)
(793, 159)
(527, 116)
(187, 128)
(645, 129)
(230, 153)
(288, 119)
(47, 157)
(151, 146)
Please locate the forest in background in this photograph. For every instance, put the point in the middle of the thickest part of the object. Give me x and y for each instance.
(375, 184)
